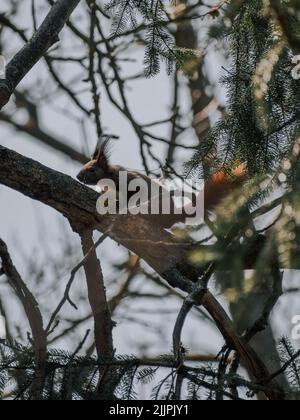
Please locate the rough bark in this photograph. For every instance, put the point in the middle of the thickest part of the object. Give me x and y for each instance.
(36, 47)
(34, 316)
(97, 299)
(156, 246)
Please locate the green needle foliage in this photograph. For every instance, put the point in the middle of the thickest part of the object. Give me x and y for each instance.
(131, 15)
(262, 118)
(260, 129)
(74, 377)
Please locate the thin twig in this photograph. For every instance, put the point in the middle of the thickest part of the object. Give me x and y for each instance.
(66, 297)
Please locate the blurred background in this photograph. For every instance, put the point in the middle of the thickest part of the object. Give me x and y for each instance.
(159, 121)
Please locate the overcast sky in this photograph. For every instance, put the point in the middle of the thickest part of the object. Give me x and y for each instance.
(34, 231)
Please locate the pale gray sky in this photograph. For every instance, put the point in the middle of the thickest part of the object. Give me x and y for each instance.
(37, 230)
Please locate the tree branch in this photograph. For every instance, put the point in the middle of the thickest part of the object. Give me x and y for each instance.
(36, 48)
(66, 296)
(37, 133)
(78, 204)
(97, 298)
(34, 316)
(103, 323)
(168, 257)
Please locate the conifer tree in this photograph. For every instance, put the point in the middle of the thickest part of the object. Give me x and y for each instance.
(254, 233)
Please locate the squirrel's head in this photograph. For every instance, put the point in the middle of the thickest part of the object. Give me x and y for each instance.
(97, 168)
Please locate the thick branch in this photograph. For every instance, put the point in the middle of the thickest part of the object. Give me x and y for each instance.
(78, 204)
(97, 298)
(34, 316)
(248, 356)
(36, 48)
(145, 238)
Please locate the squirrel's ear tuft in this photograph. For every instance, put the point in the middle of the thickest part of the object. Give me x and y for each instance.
(101, 154)
(96, 154)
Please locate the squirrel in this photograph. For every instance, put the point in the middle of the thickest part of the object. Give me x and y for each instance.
(216, 189)
(99, 168)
